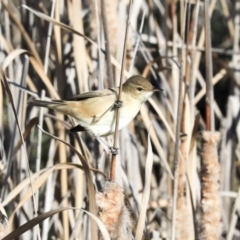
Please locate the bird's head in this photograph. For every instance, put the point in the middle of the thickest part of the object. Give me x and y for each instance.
(139, 87)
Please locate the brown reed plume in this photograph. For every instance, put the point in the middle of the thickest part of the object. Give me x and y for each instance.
(210, 199)
(113, 212)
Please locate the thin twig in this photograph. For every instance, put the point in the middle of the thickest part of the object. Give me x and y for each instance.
(5, 83)
(234, 217)
(107, 46)
(99, 44)
(11, 147)
(25, 35)
(137, 43)
(36, 232)
(178, 126)
(49, 34)
(115, 144)
(192, 56)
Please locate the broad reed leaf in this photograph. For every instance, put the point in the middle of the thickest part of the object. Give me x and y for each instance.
(6, 86)
(40, 71)
(89, 180)
(23, 31)
(11, 56)
(30, 224)
(26, 133)
(146, 190)
(39, 178)
(163, 119)
(40, 218)
(155, 140)
(102, 228)
(69, 29)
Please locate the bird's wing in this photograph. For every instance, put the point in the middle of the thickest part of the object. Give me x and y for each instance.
(93, 94)
(89, 110)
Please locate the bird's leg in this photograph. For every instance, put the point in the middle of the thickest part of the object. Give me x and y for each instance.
(104, 143)
(114, 151)
(96, 119)
(118, 104)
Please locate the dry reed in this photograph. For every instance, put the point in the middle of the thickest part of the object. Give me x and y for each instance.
(210, 175)
(61, 172)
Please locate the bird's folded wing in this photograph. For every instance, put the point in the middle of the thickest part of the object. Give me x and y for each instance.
(94, 94)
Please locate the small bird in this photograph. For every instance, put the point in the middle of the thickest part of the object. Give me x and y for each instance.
(96, 111)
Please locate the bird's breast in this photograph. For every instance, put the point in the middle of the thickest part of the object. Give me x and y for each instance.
(106, 124)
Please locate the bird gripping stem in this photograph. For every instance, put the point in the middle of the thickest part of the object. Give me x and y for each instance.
(114, 156)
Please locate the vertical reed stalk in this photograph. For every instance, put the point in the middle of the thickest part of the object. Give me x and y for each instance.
(210, 125)
(116, 134)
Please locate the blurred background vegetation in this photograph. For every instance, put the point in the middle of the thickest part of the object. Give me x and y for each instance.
(81, 50)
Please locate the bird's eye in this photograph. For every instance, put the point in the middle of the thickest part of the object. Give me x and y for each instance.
(139, 89)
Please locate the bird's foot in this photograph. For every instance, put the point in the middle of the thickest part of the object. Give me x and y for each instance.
(118, 104)
(114, 151)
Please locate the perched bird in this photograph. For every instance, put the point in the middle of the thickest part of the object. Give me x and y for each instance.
(96, 111)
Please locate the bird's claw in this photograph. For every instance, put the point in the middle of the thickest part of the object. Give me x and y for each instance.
(118, 104)
(114, 151)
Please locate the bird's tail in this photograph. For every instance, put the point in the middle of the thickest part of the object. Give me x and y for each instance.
(39, 103)
(57, 105)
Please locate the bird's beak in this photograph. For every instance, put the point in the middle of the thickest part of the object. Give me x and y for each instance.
(157, 90)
